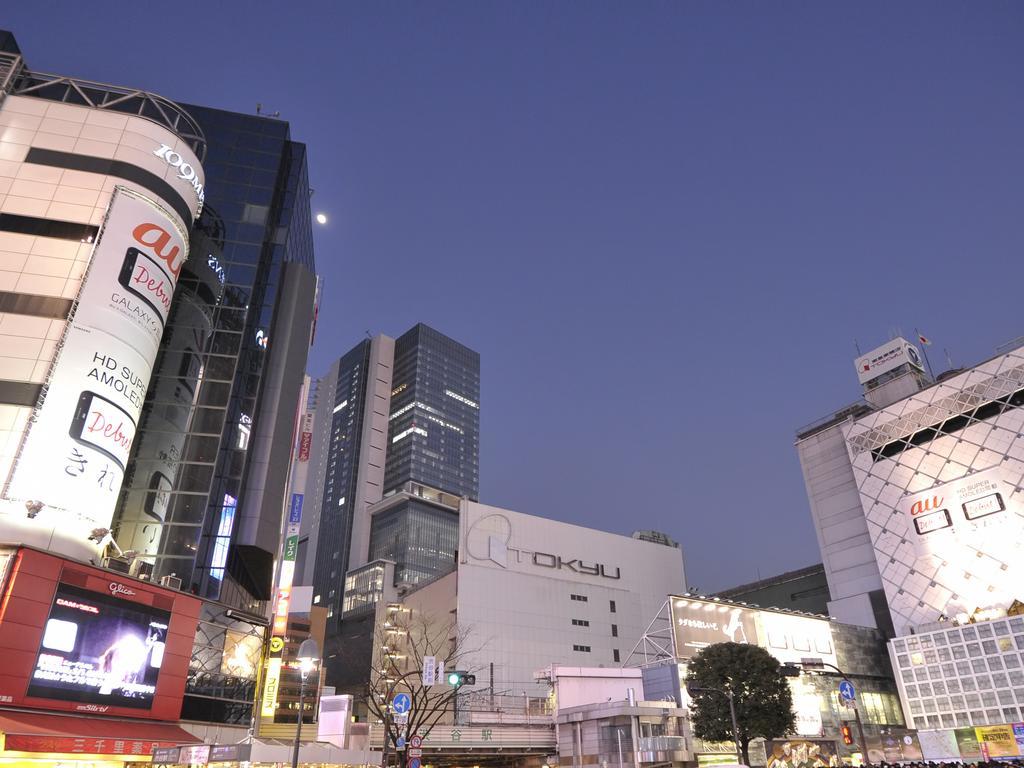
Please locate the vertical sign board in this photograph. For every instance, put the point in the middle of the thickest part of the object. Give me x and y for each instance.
(306, 436)
(429, 671)
(284, 591)
(74, 455)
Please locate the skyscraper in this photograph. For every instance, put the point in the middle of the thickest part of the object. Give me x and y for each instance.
(397, 424)
(434, 427)
(205, 485)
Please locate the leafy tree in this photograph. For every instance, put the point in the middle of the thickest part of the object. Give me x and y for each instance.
(761, 695)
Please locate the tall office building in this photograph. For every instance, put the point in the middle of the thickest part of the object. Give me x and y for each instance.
(434, 427)
(206, 484)
(916, 496)
(397, 428)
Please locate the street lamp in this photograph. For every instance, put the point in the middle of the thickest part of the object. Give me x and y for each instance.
(818, 665)
(308, 657)
(692, 689)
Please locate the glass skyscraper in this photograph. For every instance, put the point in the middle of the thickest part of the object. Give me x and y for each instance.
(184, 494)
(434, 429)
(396, 447)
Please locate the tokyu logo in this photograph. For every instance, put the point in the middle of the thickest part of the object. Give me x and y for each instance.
(185, 172)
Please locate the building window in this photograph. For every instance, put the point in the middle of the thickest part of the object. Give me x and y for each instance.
(580, 598)
(615, 654)
(611, 606)
(580, 623)
(615, 630)
(581, 648)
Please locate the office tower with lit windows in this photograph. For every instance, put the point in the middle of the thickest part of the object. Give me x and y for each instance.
(395, 446)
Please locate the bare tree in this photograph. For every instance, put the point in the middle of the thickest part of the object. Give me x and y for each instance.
(401, 643)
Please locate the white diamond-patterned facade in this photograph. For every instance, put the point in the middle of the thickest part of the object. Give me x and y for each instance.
(940, 477)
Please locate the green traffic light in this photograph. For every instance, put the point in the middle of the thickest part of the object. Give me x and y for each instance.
(453, 678)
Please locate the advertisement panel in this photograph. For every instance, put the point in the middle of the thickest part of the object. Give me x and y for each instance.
(895, 746)
(974, 526)
(997, 741)
(241, 654)
(74, 455)
(306, 436)
(968, 744)
(696, 624)
(938, 745)
(887, 357)
(100, 649)
(800, 753)
(792, 638)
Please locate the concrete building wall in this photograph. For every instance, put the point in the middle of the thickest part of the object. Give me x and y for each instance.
(839, 523)
(373, 446)
(523, 582)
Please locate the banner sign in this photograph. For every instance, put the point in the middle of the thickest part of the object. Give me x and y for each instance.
(74, 455)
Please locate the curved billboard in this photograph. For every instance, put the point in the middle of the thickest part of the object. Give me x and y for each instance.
(80, 436)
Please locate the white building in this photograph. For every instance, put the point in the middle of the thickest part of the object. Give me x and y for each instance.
(539, 592)
(527, 593)
(99, 187)
(917, 496)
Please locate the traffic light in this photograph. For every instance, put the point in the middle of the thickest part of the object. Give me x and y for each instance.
(847, 735)
(458, 679)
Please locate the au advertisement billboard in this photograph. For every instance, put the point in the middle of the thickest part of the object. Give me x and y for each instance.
(74, 455)
(974, 527)
(99, 649)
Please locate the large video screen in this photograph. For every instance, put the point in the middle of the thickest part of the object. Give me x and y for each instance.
(99, 649)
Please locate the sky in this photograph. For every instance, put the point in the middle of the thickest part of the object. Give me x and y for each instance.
(664, 225)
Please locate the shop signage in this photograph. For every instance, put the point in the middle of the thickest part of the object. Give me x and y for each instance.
(196, 755)
(185, 172)
(121, 589)
(166, 755)
(488, 539)
(80, 745)
(885, 358)
(230, 753)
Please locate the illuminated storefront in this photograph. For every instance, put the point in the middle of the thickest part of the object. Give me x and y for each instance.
(85, 650)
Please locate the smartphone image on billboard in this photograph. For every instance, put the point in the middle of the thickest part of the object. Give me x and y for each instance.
(986, 505)
(104, 426)
(158, 496)
(146, 279)
(933, 521)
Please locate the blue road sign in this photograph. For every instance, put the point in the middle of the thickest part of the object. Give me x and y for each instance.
(400, 744)
(400, 703)
(414, 762)
(846, 691)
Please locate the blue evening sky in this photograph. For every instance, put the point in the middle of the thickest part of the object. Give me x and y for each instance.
(663, 225)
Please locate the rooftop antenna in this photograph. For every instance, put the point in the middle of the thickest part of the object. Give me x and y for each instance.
(856, 345)
(259, 111)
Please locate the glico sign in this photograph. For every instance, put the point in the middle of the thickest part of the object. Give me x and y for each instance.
(488, 539)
